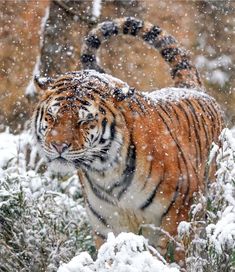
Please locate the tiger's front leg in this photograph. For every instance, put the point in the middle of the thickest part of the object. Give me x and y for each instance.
(167, 244)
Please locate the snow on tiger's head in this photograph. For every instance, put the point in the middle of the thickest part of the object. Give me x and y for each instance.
(73, 125)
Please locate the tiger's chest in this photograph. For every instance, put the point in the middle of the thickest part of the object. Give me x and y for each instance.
(114, 205)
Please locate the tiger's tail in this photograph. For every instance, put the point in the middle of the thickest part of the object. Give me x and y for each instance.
(183, 72)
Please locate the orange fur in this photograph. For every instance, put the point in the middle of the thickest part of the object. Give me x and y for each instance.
(140, 158)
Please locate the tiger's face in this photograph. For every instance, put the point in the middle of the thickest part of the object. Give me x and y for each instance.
(76, 131)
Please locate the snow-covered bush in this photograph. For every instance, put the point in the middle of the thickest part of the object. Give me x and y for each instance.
(209, 237)
(125, 253)
(43, 224)
(42, 221)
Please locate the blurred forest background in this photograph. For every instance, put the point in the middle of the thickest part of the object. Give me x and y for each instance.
(206, 28)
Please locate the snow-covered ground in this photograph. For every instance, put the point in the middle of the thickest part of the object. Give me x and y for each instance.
(43, 224)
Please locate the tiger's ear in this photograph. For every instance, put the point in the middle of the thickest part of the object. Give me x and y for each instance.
(122, 93)
(42, 82)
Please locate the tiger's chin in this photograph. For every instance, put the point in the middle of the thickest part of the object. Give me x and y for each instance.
(61, 166)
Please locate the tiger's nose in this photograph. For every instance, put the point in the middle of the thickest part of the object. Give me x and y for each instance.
(60, 147)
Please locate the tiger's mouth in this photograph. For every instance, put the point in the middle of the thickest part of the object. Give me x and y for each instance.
(61, 165)
(78, 162)
(60, 159)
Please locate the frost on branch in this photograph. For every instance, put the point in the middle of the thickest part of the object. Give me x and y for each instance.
(125, 253)
(209, 237)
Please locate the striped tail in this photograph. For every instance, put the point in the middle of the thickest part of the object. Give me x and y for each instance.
(183, 72)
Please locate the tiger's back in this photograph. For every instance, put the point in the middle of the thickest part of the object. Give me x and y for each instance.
(140, 157)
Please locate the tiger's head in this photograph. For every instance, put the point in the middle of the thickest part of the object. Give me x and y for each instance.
(74, 125)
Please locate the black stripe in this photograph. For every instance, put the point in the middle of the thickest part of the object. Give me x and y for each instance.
(93, 41)
(170, 53)
(187, 119)
(98, 192)
(119, 94)
(84, 108)
(177, 144)
(192, 108)
(84, 102)
(149, 175)
(86, 58)
(151, 197)
(188, 181)
(210, 116)
(102, 110)
(62, 80)
(176, 193)
(132, 26)
(180, 181)
(204, 124)
(170, 107)
(197, 127)
(97, 215)
(210, 106)
(61, 90)
(60, 98)
(139, 104)
(109, 29)
(112, 130)
(165, 41)
(217, 120)
(61, 84)
(90, 96)
(103, 124)
(196, 137)
(183, 65)
(129, 171)
(56, 104)
(152, 34)
(167, 113)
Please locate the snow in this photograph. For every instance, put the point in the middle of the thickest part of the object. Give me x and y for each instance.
(219, 77)
(108, 79)
(183, 228)
(175, 94)
(96, 8)
(216, 69)
(125, 253)
(12, 146)
(222, 234)
(222, 61)
(212, 224)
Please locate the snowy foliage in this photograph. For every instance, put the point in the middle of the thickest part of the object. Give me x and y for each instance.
(210, 236)
(125, 253)
(42, 221)
(43, 224)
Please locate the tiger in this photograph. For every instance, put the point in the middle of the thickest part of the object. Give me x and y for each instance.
(140, 157)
